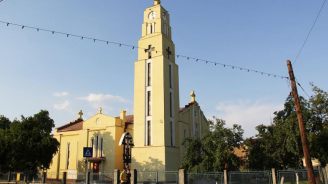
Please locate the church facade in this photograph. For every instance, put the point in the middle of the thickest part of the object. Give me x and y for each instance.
(158, 125)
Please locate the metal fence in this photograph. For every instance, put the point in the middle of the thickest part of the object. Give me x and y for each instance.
(79, 178)
(205, 178)
(172, 177)
(250, 177)
(14, 177)
(155, 177)
(294, 176)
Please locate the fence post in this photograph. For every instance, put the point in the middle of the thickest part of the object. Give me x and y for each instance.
(325, 174)
(273, 174)
(116, 176)
(225, 176)
(282, 180)
(182, 176)
(322, 174)
(9, 176)
(44, 177)
(156, 177)
(17, 177)
(87, 177)
(64, 177)
(134, 176)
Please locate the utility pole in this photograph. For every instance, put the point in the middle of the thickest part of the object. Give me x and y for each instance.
(307, 157)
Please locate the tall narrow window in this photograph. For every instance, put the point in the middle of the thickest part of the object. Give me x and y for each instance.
(165, 30)
(153, 28)
(149, 28)
(170, 75)
(171, 104)
(96, 143)
(92, 145)
(196, 131)
(148, 133)
(148, 103)
(68, 155)
(172, 133)
(101, 147)
(148, 74)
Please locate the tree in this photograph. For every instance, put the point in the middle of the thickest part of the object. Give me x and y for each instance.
(4, 123)
(318, 125)
(278, 145)
(4, 126)
(261, 148)
(215, 151)
(30, 145)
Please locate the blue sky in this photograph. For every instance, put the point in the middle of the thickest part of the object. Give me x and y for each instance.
(64, 75)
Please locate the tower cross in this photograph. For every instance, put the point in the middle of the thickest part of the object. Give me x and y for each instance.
(168, 52)
(80, 114)
(149, 50)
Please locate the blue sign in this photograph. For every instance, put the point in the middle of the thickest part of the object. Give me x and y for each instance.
(87, 152)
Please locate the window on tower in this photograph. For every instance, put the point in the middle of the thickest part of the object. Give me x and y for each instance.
(172, 132)
(170, 75)
(171, 105)
(148, 103)
(151, 28)
(148, 133)
(149, 74)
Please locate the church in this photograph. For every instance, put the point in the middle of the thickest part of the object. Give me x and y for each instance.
(158, 124)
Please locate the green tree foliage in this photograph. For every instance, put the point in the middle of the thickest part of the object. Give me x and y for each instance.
(279, 145)
(318, 125)
(215, 151)
(28, 143)
(4, 126)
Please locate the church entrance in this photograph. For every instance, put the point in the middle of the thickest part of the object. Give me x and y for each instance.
(95, 167)
(95, 164)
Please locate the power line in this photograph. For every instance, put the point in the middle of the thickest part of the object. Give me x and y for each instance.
(310, 31)
(307, 94)
(233, 67)
(120, 44)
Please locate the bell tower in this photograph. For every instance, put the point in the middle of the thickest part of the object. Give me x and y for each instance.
(156, 95)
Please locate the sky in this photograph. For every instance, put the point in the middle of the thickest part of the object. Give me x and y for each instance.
(65, 75)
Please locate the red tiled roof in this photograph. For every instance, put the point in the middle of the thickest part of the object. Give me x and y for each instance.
(130, 119)
(72, 126)
(78, 124)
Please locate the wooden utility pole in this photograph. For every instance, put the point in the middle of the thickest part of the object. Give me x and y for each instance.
(307, 157)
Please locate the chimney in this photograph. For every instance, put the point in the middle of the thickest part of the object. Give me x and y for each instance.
(123, 115)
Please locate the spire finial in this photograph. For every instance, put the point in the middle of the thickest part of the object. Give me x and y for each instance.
(156, 2)
(100, 110)
(193, 96)
(80, 114)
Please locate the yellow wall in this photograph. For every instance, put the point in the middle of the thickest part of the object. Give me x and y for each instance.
(109, 128)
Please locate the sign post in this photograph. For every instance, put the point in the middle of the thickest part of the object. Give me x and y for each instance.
(87, 153)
